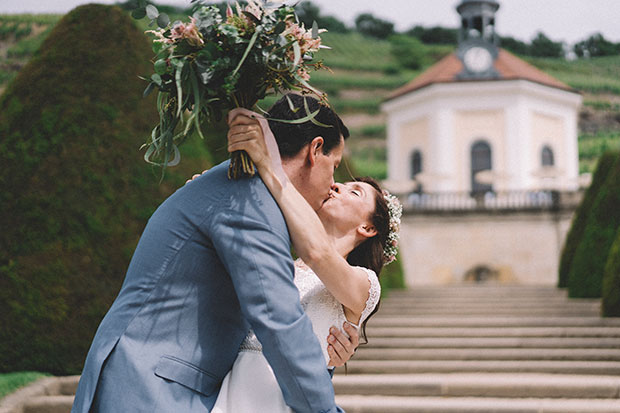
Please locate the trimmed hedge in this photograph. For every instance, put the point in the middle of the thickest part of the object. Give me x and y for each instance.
(392, 277)
(586, 272)
(578, 225)
(76, 192)
(611, 281)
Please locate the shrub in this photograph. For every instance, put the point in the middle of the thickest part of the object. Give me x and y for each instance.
(611, 281)
(392, 277)
(586, 271)
(577, 228)
(408, 51)
(76, 193)
(369, 25)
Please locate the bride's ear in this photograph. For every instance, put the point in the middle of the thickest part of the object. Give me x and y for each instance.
(367, 230)
(316, 148)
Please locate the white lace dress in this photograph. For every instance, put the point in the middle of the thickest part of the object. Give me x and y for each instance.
(250, 386)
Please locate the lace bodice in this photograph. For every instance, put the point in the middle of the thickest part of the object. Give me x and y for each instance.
(320, 305)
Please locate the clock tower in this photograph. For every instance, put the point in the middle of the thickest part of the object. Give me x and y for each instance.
(477, 39)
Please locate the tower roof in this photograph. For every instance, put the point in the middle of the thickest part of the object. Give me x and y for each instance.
(509, 66)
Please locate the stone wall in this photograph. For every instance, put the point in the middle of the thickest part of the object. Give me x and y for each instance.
(520, 247)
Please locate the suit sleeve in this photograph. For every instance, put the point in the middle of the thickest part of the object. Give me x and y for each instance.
(259, 262)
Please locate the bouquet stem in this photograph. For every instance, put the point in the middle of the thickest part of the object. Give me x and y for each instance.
(241, 165)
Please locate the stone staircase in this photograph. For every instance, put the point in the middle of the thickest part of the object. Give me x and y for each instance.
(47, 395)
(485, 348)
(465, 349)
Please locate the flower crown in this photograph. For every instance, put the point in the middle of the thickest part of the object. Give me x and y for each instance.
(395, 211)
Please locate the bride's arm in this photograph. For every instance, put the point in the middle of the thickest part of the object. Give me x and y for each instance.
(348, 284)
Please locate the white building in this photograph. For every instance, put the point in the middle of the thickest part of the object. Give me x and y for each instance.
(480, 132)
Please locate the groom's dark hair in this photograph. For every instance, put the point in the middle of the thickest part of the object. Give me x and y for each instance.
(292, 137)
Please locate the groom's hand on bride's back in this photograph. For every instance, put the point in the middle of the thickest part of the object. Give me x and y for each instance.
(340, 347)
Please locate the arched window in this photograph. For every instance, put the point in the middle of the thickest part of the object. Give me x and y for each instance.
(480, 161)
(547, 156)
(416, 163)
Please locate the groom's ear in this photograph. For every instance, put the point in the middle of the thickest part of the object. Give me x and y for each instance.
(315, 149)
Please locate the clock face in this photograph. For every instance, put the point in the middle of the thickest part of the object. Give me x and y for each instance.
(477, 59)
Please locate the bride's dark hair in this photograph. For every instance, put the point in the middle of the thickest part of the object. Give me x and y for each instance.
(369, 254)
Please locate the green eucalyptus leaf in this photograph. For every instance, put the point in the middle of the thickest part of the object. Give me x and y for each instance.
(163, 20)
(138, 13)
(133, 4)
(291, 105)
(315, 29)
(247, 51)
(177, 156)
(307, 85)
(313, 119)
(149, 152)
(252, 17)
(177, 78)
(152, 12)
(279, 27)
(161, 66)
(149, 89)
(305, 119)
(297, 51)
(156, 78)
(142, 3)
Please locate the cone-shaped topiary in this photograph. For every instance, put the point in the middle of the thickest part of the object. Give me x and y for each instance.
(611, 281)
(76, 192)
(575, 233)
(586, 272)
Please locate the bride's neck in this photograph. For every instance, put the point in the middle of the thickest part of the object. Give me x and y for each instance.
(344, 243)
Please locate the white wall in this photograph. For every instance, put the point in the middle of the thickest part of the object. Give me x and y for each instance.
(520, 104)
(524, 247)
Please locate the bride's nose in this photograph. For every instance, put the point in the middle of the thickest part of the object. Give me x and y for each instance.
(335, 187)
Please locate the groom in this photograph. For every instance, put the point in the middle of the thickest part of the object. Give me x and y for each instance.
(214, 261)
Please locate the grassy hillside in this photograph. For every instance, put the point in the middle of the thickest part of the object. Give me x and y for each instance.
(364, 71)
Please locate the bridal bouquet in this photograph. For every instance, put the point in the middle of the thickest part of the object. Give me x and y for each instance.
(219, 61)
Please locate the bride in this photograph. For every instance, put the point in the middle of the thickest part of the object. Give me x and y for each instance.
(342, 248)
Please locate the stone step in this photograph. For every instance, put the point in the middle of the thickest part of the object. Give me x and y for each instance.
(390, 404)
(497, 342)
(380, 320)
(512, 385)
(46, 395)
(49, 404)
(488, 298)
(472, 366)
(576, 354)
(481, 294)
(412, 306)
(447, 311)
(496, 332)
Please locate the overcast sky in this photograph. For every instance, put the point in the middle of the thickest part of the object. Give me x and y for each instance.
(561, 20)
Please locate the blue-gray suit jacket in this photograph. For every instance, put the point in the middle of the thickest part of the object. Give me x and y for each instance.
(213, 261)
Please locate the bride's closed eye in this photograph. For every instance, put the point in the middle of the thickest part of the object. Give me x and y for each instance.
(356, 192)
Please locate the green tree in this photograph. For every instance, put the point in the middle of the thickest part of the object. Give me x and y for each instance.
(408, 51)
(515, 46)
(586, 272)
(434, 35)
(542, 46)
(611, 281)
(76, 192)
(370, 25)
(595, 46)
(308, 13)
(575, 234)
